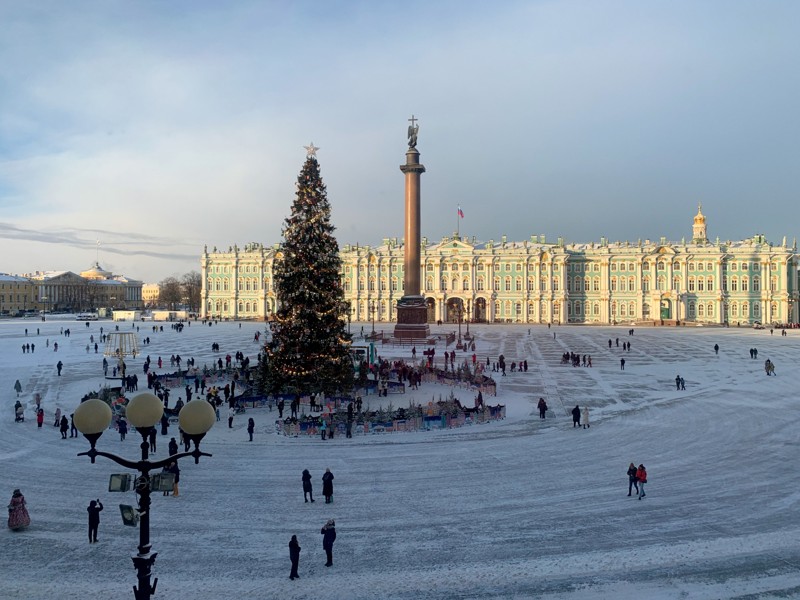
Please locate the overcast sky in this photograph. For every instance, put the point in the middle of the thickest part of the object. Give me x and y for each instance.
(158, 127)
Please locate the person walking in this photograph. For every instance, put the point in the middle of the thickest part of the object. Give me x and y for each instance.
(172, 447)
(327, 486)
(18, 517)
(294, 556)
(585, 416)
(231, 413)
(621, 364)
(307, 488)
(632, 482)
(151, 440)
(323, 428)
(329, 536)
(542, 406)
(251, 427)
(716, 349)
(59, 366)
(641, 477)
(122, 427)
(40, 418)
(94, 508)
(73, 431)
(576, 416)
(64, 427)
(18, 387)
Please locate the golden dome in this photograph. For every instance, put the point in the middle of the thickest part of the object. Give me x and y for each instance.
(699, 218)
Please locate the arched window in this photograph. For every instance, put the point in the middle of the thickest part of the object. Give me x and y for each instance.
(429, 284)
(555, 284)
(631, 284)
(480, 284)
(465, 284)
(745, 310)
(216, 285)
(692, 310)
(756, 310)
(645, 284)
(773, 284)
(361, 284)
(701, 284)
(443, 283)
(710, 309)
(734, 284)
(507, 284)
(596, 309)
(225, 285)
(394, 284)
(734, 309)
(518, 283)
(371, 284)
(710, 284)
(496, 284)
(623, 310)
(613, 284)
(745, 282)
(691, 284)
(756, 283)
(701, 310)
(454, 284)
(531, 284)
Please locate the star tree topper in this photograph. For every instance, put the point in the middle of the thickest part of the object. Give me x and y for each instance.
(311, 150)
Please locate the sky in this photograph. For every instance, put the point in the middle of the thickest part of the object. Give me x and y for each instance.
(157, 128)
(516, 509)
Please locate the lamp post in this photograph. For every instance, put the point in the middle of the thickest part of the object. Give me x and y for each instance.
(93, 417)
(45, 298)
(372, 313)
(459, 313)
(469, 311)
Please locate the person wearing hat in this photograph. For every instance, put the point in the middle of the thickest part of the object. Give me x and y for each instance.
(94, 508)
(327, 486)
(18, 517)
(329, 536)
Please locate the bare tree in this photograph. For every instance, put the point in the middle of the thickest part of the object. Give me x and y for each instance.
(191, 285)
(169, 293)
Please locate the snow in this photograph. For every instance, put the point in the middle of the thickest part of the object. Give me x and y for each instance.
(520, 508)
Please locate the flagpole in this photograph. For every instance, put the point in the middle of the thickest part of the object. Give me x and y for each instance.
(458, 223)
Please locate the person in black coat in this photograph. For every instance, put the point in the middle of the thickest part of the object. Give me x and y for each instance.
(294, 556)
(307, 491)
(94, 508)
(251, 427)
(632, 481)
(64, 427)
(576, 416)
(327, 486)
(173, 447)
(329, 536)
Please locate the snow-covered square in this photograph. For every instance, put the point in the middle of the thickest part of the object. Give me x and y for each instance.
(520, 508)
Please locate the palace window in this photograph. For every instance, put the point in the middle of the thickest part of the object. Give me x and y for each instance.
(757, 310)
(225, 285)
(773, 284)
(361, 284)
(691, 266)
(429, 267)
(709, 266)
(745, 282)
(394, 284)
(518, 284)
(645, 266)
(555, 284)
(745, 310)
(710, 284)
(613, 284)
(480, 266)
(531, 284)
(691, 284)
(734, 309)
(646, 284)
(613, 266)
(691, 310)
(519, 266)
(623, 284)
(371, 284)
(480, 284)
(621, 266)
(383, 284)
(585, 284)
(734, 284)
(596, 309)
(756, 284)
(661, 283)
(542, 283)
(661, 265)
(465, 284)
(507, 284)
(429, 284)
(676, 266)
(496, 284)
(454, 284)
(700, 284)
(701, 310)
(443, 284)
(346, 285)
(710, 309)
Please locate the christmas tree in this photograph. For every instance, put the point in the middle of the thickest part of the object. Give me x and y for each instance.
(309, 350)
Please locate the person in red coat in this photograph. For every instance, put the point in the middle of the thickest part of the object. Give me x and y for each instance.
(641, 477)
(40, 417)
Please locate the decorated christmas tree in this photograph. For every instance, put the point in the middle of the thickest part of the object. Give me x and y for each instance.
(309, 350)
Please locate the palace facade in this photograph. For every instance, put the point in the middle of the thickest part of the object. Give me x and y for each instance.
(535, 281)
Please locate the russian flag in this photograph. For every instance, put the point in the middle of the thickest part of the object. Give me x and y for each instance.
(460, 212)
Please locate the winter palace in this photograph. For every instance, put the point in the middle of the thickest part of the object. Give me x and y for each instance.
(534, 281)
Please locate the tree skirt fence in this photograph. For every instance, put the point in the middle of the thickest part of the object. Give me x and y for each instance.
(440, 417)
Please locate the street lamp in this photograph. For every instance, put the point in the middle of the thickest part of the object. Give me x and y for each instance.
(45, 298)
(93, 417)
(459, 313)
(468, 315)
(372, 313)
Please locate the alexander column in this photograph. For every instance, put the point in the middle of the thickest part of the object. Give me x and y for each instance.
(412, 314)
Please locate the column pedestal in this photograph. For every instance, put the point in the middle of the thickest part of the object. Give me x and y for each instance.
(412, 318)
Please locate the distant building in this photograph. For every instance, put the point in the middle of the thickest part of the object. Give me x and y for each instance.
(64, 291)
(534, 281)
(17, 295)
(150, 293)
